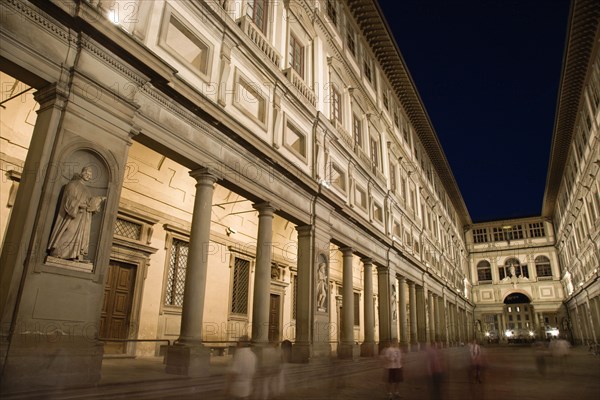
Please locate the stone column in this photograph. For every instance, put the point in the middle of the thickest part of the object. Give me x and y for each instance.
(412, 294)
(402, 306)
(421, 294)
(385, 314)
(301, 351)
(346, 348)
(502, 333)
(262, 275)
(431, 336)
(188, 356)
(367, 348)
(438, 319)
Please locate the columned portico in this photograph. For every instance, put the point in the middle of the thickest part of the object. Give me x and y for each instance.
(262, 275)
(347, 347)
(188, 356)
(367, 348)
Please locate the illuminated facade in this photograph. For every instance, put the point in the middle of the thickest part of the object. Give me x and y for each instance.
(265, 168)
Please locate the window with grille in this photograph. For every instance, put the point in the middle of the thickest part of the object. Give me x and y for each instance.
(484, 271)
(297, 55)
(480, 235)
(542, 266)
(536, 230)
(239, 290)
(257, 11)
(128, 229)
(177, 267)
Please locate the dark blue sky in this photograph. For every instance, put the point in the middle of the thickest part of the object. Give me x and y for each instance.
(488, 73)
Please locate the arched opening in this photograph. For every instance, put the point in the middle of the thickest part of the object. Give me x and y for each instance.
(519, 317)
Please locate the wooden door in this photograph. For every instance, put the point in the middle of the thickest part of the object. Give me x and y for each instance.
(116, 307)
(274, 317)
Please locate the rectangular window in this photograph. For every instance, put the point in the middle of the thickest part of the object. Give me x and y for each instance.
(357, 130)
(257, 11)
(367, 70)
(360, 198)
(393, 179)
(184, 44)
(375, 151)
(377, 212)
(331, 11)
(386, 99)
(536, 230)
(296, 55)
(336, 105)
(338, 177)
(480, 235)
(176, 278)
(295, 141)
(350, 40)
(396, 119)
(239, 289)
(249, 100)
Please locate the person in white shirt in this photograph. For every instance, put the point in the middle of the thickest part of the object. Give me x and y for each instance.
(392, 363)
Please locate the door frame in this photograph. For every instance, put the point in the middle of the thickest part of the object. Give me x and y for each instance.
(139, 256)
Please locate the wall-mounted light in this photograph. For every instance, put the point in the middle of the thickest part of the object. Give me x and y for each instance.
(229, 230)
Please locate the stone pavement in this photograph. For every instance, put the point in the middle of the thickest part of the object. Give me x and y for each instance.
(511, 372)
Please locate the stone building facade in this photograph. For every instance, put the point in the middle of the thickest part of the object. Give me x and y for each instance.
(262, 168)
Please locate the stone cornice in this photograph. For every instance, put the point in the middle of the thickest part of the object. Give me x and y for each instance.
(581, 43)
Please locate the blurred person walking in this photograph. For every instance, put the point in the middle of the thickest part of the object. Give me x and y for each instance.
(392, 364)
(436, 368)
(270, 371)
(241, 373)
(476, 357)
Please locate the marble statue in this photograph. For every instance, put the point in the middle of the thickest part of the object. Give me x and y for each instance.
(70, 237)
(321, 286)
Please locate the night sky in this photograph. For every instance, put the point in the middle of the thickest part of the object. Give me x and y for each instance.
(488, 73)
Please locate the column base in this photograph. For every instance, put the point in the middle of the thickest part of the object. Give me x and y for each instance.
(368, 349)
(189, 360)
(42, 361)
(348, 351)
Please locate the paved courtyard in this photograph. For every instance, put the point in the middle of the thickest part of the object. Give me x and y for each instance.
(511, 373)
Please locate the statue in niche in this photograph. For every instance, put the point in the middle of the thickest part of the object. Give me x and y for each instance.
(394, 303)
(321, 287)
(70, 237)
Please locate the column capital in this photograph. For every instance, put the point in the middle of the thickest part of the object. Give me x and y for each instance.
(347, 251)
(264, 208)
(367, 261)
(206, 175)
(410, 283)
(382, 269)
(304, 230)
(401, 278)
